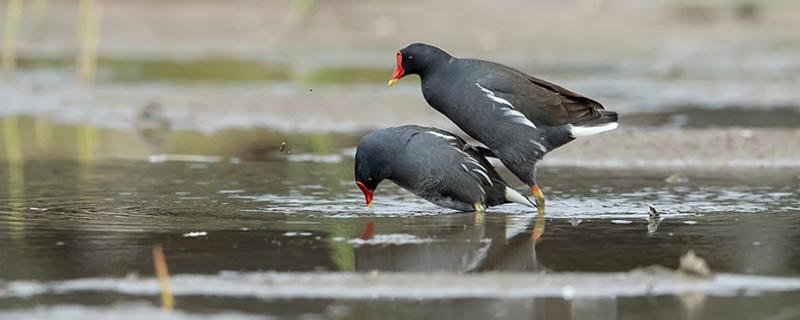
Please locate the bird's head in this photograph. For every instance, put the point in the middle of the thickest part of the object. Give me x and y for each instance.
(416, 58)
(373, 158)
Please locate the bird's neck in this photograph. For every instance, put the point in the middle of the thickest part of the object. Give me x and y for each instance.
(436, 66)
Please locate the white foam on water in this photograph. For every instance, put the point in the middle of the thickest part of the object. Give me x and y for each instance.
(320, 285)
(394, 239)
(132, 311)
(195, 234)
(297, 234)
(320, 158)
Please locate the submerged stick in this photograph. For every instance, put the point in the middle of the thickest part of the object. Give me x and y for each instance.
(162, 274)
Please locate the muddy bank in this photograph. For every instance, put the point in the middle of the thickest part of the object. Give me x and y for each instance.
(683, 148)
(320, 32)
(664, 133)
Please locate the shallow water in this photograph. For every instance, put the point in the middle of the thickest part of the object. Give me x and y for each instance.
(69, 219)
(71, 211)
(65, 219)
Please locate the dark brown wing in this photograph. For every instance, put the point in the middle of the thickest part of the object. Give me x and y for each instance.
(542, 102)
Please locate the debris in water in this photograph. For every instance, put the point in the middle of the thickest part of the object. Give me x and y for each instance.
(195, 234)
(690, 222)
(575, 221)
(162, 273)
(283, 146)
(676, 178)
(653, 220)
(653, 212)
(693, 265)
(151, 124)
(620, 221)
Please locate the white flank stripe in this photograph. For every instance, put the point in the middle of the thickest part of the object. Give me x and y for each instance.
(492, 96)
(588, 131)
(538, 145)
(443, 136)
(514, 196)
(508, 111)
(486, 176)
(464, 167)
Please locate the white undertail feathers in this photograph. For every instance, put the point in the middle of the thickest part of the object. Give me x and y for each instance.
(516, 197)
(582, 131)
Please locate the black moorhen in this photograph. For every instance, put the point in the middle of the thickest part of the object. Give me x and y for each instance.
(518, 117)
(433, 164)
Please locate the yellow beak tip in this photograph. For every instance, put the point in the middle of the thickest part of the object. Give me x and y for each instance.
(391, 82)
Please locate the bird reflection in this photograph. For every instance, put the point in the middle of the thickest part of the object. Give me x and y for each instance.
(152, 125)
(461, 243)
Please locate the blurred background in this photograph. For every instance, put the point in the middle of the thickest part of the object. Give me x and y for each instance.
(115, 78)
(224, 131)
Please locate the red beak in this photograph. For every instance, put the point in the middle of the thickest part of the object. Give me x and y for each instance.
(398, 69)
(367, 193)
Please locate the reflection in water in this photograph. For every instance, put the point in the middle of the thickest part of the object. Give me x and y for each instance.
(36, 139)
(15, 177)
(152, 125)
(13, 148)
(44, 134)
(652, 224)
(599, 309)
(87, 142)
(464, 242)
(692, 304)
(16, 199)
(98, 217)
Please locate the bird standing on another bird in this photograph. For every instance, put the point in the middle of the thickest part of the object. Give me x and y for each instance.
(433, 164)
(518, 117)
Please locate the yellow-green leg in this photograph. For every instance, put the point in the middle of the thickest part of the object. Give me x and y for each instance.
(537, 194)
(479, 208)
(538, 228)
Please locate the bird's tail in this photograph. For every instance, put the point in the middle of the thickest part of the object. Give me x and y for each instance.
(516, 197)
(608, 120)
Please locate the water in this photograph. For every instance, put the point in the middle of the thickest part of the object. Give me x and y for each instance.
(255, 210)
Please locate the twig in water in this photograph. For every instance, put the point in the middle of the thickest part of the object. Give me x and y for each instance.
(162, 273)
